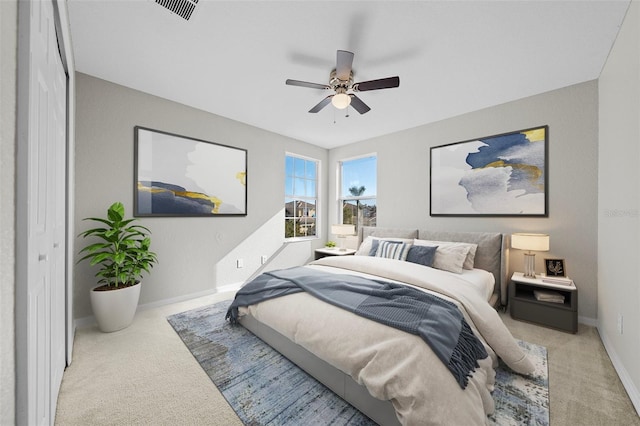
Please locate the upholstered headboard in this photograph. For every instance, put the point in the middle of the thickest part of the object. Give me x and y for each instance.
(492, 254)
(373, 231)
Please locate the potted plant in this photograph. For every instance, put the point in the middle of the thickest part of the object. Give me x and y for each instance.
(122, 253)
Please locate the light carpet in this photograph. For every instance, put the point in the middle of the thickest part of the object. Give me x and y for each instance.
(257, 381)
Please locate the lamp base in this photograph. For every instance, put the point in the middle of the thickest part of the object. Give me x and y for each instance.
(342, 238)
(529, 265)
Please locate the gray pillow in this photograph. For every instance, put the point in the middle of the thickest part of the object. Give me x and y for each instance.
(422, 255)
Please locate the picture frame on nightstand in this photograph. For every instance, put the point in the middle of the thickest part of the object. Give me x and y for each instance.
(555, 268)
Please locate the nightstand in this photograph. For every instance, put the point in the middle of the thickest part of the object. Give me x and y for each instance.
(524, 305)
(334, 251)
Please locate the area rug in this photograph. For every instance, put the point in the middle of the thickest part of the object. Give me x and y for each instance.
(265, 388)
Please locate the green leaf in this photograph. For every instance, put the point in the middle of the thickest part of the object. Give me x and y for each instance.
(94, 247)
(124, 223)
(110, 234)
(119, 257)
(140, 228)
(99, 219)
(94, 231)
(116, 212)
(100, 257)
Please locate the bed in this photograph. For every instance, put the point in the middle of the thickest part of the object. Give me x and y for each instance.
(391, 376)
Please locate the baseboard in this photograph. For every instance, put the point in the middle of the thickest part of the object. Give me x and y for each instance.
(178, 299)
(90, 320)
(83, 322)
(229, 287)
(592, 322)
(625, 378)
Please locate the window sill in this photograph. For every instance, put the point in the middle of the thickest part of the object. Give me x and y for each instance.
(300, 239)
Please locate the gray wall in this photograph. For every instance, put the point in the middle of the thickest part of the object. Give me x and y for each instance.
(572, 116)
(196, 255)
(619, 204)
(8, 68)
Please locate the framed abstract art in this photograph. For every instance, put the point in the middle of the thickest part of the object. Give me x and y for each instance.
(181, 176)
(500, 175)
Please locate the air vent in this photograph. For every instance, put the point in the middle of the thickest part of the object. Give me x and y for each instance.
(182, 8)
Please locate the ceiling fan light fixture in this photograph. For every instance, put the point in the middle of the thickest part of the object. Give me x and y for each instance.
(341, 82)
(341, 100)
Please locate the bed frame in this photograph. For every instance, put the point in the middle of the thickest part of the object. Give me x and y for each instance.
(491, 255)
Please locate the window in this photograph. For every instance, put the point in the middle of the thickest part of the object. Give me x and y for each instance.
(358, 186)
(300, 197)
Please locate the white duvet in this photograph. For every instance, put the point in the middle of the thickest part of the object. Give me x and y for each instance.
(392, 364)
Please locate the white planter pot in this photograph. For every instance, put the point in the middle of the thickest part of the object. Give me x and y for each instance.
(114, 309)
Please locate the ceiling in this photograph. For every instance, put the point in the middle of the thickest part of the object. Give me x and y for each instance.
(231, 58)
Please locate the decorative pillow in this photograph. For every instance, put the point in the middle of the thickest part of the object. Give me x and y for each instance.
(470, 261)
(449, 256)
(366, 247)
(423, 255)
(376, 242)
(471, 254)
(393, 250)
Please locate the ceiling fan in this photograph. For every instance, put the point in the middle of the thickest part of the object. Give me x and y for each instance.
(341, 82)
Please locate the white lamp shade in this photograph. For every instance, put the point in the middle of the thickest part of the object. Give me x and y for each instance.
(535, 242)
(343, 229)
(341, 100)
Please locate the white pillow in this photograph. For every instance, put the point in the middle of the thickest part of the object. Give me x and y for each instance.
(471, 254)
(393, 250)
(449, 256)
(365, 246)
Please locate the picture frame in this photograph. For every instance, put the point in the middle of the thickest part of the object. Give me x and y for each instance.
(555, 268)
(499, 175)
(180, 176)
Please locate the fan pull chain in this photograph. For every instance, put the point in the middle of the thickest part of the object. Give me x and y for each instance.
(346, 115)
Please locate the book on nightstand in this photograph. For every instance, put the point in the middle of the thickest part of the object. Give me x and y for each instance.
(548, 296)
(556, 280)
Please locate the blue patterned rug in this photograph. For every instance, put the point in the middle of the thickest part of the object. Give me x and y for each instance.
(257, 381)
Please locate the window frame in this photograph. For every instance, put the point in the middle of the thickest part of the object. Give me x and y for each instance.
(303, 198)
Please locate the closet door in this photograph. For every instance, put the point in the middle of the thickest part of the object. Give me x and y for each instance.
(45, 225)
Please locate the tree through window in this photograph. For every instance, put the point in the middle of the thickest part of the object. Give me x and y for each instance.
(358, 189)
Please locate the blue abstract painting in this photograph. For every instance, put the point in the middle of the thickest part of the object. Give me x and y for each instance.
(501, 175)
(181, 176)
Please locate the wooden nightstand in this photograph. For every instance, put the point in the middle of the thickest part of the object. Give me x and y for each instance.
(334, 251)
(524, 306)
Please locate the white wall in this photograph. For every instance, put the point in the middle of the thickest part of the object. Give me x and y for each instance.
(196, 255)
(572, 116)
(619, 204)
(8, 68)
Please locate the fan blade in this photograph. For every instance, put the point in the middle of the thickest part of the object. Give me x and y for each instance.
(344, 63)
(323, 103)
(383, 83)
(306, 84)
(358, 105)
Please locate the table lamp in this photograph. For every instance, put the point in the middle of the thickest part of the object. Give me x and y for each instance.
(530, 242)
(341, 231)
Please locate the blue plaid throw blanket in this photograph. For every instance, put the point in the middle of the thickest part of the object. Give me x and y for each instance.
(439, 322)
